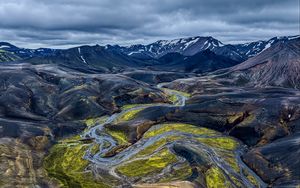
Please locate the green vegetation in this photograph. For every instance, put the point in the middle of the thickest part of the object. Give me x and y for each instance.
(251, 178)
(129, 115)
(179, 127)
(225, 143)
(118, 135)
(95, 148)
(172, 95)
(216, 179)
(159, 143)
(93, 121)
(181, 173)
(231, 160)
(225, 146)
(173, 98)
(66, 164)
(105, 144)
(248, 120)
(6, 56)
(129, 106)
(152, 165)
(235, 117)
(175, 91)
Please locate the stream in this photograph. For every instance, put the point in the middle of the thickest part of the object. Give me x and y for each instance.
(99, 136)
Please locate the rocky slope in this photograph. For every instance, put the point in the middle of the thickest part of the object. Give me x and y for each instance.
(204, 61)
(278, 65)
(8, 56)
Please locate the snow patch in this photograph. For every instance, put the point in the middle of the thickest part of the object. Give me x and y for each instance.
(4, 46)
(136, 52)
(293, 37)
(151, 48)
(174, 41)
(188, 44)
(83, 59)
(267, 46)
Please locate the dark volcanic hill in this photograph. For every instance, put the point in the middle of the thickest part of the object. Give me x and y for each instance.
(204, 61)
(24, 52)
(278, 65)
(8, 56)
(88, 59)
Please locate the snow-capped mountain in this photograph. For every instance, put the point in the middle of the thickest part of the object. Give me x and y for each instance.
(277, 65)
(253, 48)
(185, 46)
(24, 52)
(193, 45)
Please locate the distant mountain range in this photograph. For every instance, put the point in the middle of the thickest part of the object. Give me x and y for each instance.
(189, 55)
(185, 46)
(193, 45)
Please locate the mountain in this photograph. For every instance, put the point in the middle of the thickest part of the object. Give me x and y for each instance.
(204, 61)
(89, 59)
(192, 45)
(253, 48)
(242, 52)
(181, 55)
(8, 56)
(278, 65)
(185, 46)
(24, 52)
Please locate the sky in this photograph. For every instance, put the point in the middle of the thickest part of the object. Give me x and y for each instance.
(66, 23)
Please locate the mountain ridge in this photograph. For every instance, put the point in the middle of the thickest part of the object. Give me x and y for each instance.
(186, 46)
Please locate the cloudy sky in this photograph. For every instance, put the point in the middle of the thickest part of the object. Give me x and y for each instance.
(65, 23)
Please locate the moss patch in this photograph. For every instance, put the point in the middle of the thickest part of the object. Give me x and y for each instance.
(230, 159)
(225, 143)
(159, 143)
(215, 178)
(66, 164)
(130, 115)
(175, 91)
(95, 148)
(93, 121)
(251, 178)
(180, 173)
(180, 127)
(247, 120)
(145, 167)
(235, 117)
(119, 136)
(173, 98)
(129, 106)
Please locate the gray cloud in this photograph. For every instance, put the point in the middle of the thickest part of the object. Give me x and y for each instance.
(63, 23)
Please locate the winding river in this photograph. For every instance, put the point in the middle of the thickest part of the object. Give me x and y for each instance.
(110, 164)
